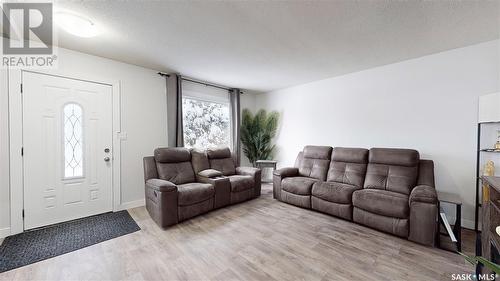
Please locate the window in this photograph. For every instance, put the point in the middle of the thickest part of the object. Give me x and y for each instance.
(206, 116)
(206, 124)
(73, 140)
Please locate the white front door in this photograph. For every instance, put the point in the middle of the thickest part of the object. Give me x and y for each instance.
(67, 144)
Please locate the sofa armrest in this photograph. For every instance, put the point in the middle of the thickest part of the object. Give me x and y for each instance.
(423, 194)
(210, 173)
(222, 188)
(161, 201)
(161, 185)
(213, 180)
(257, 177)
(286, 172)
(423, 215)
(278, 176)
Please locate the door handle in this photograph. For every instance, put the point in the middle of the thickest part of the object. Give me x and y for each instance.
(106, 159)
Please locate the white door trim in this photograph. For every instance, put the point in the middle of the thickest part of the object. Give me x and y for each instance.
(16, 142)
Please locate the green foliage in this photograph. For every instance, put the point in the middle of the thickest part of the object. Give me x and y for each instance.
(488, 264)
(257, 133)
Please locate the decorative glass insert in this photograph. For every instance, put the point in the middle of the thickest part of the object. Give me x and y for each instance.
(73, 140)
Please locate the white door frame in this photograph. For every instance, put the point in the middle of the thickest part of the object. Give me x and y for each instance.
(16, 142)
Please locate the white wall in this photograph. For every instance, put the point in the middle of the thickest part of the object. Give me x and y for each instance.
(429, 104)
(143, 119)
(143, 111)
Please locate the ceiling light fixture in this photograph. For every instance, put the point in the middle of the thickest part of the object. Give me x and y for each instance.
(76, 24)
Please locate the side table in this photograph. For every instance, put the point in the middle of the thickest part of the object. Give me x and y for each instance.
(455, 234)
(266, 164)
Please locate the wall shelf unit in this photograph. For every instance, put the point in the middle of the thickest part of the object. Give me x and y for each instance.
(490, 150)
(488, 133)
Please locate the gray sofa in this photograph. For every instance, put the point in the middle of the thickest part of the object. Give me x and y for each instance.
(182, 183)
(391, 190)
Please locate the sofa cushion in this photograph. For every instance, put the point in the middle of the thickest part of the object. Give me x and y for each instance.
(192, 193)
(314, 168)
(332, 208)
(317, 152)
(199, 160)
(303, 201)
(177, 173)
(172, 155)
(350, 155)
(315, 161)
(334, 192)
(348, 173)
(241, 182)
(298, 185)
(382, 202)
(392, 169)
(394, 156)
(219, 153)
(348, 166)
(225, 165)
(400, 179)
(396, 226)
(210, 173)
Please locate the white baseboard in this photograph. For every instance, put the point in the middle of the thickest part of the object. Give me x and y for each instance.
(469, 224)
(4, 232)
(132, 204)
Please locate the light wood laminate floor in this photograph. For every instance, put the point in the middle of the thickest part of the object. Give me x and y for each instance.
(261, 239)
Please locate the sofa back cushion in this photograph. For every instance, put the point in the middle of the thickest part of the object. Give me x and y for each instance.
(392, 169)
(199, 160)
(315, 161)
(220, 159)
(174, 165)
(348, 166)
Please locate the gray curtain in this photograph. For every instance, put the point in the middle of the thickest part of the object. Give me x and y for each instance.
(174, 110)
(234, 99)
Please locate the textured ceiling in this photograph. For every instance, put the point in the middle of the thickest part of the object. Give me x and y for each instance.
(267, 45)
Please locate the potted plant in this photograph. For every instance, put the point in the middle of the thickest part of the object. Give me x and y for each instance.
(257, 132)
(480, 260)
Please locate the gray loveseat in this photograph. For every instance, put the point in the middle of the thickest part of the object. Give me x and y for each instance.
(182, 183)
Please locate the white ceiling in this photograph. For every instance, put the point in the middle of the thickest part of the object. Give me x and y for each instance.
(269, 45)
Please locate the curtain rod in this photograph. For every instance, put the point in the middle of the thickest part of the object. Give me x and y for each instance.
(199, 82)
(205, 83)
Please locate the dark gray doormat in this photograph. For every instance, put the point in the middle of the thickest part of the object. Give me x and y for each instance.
(43, 243)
